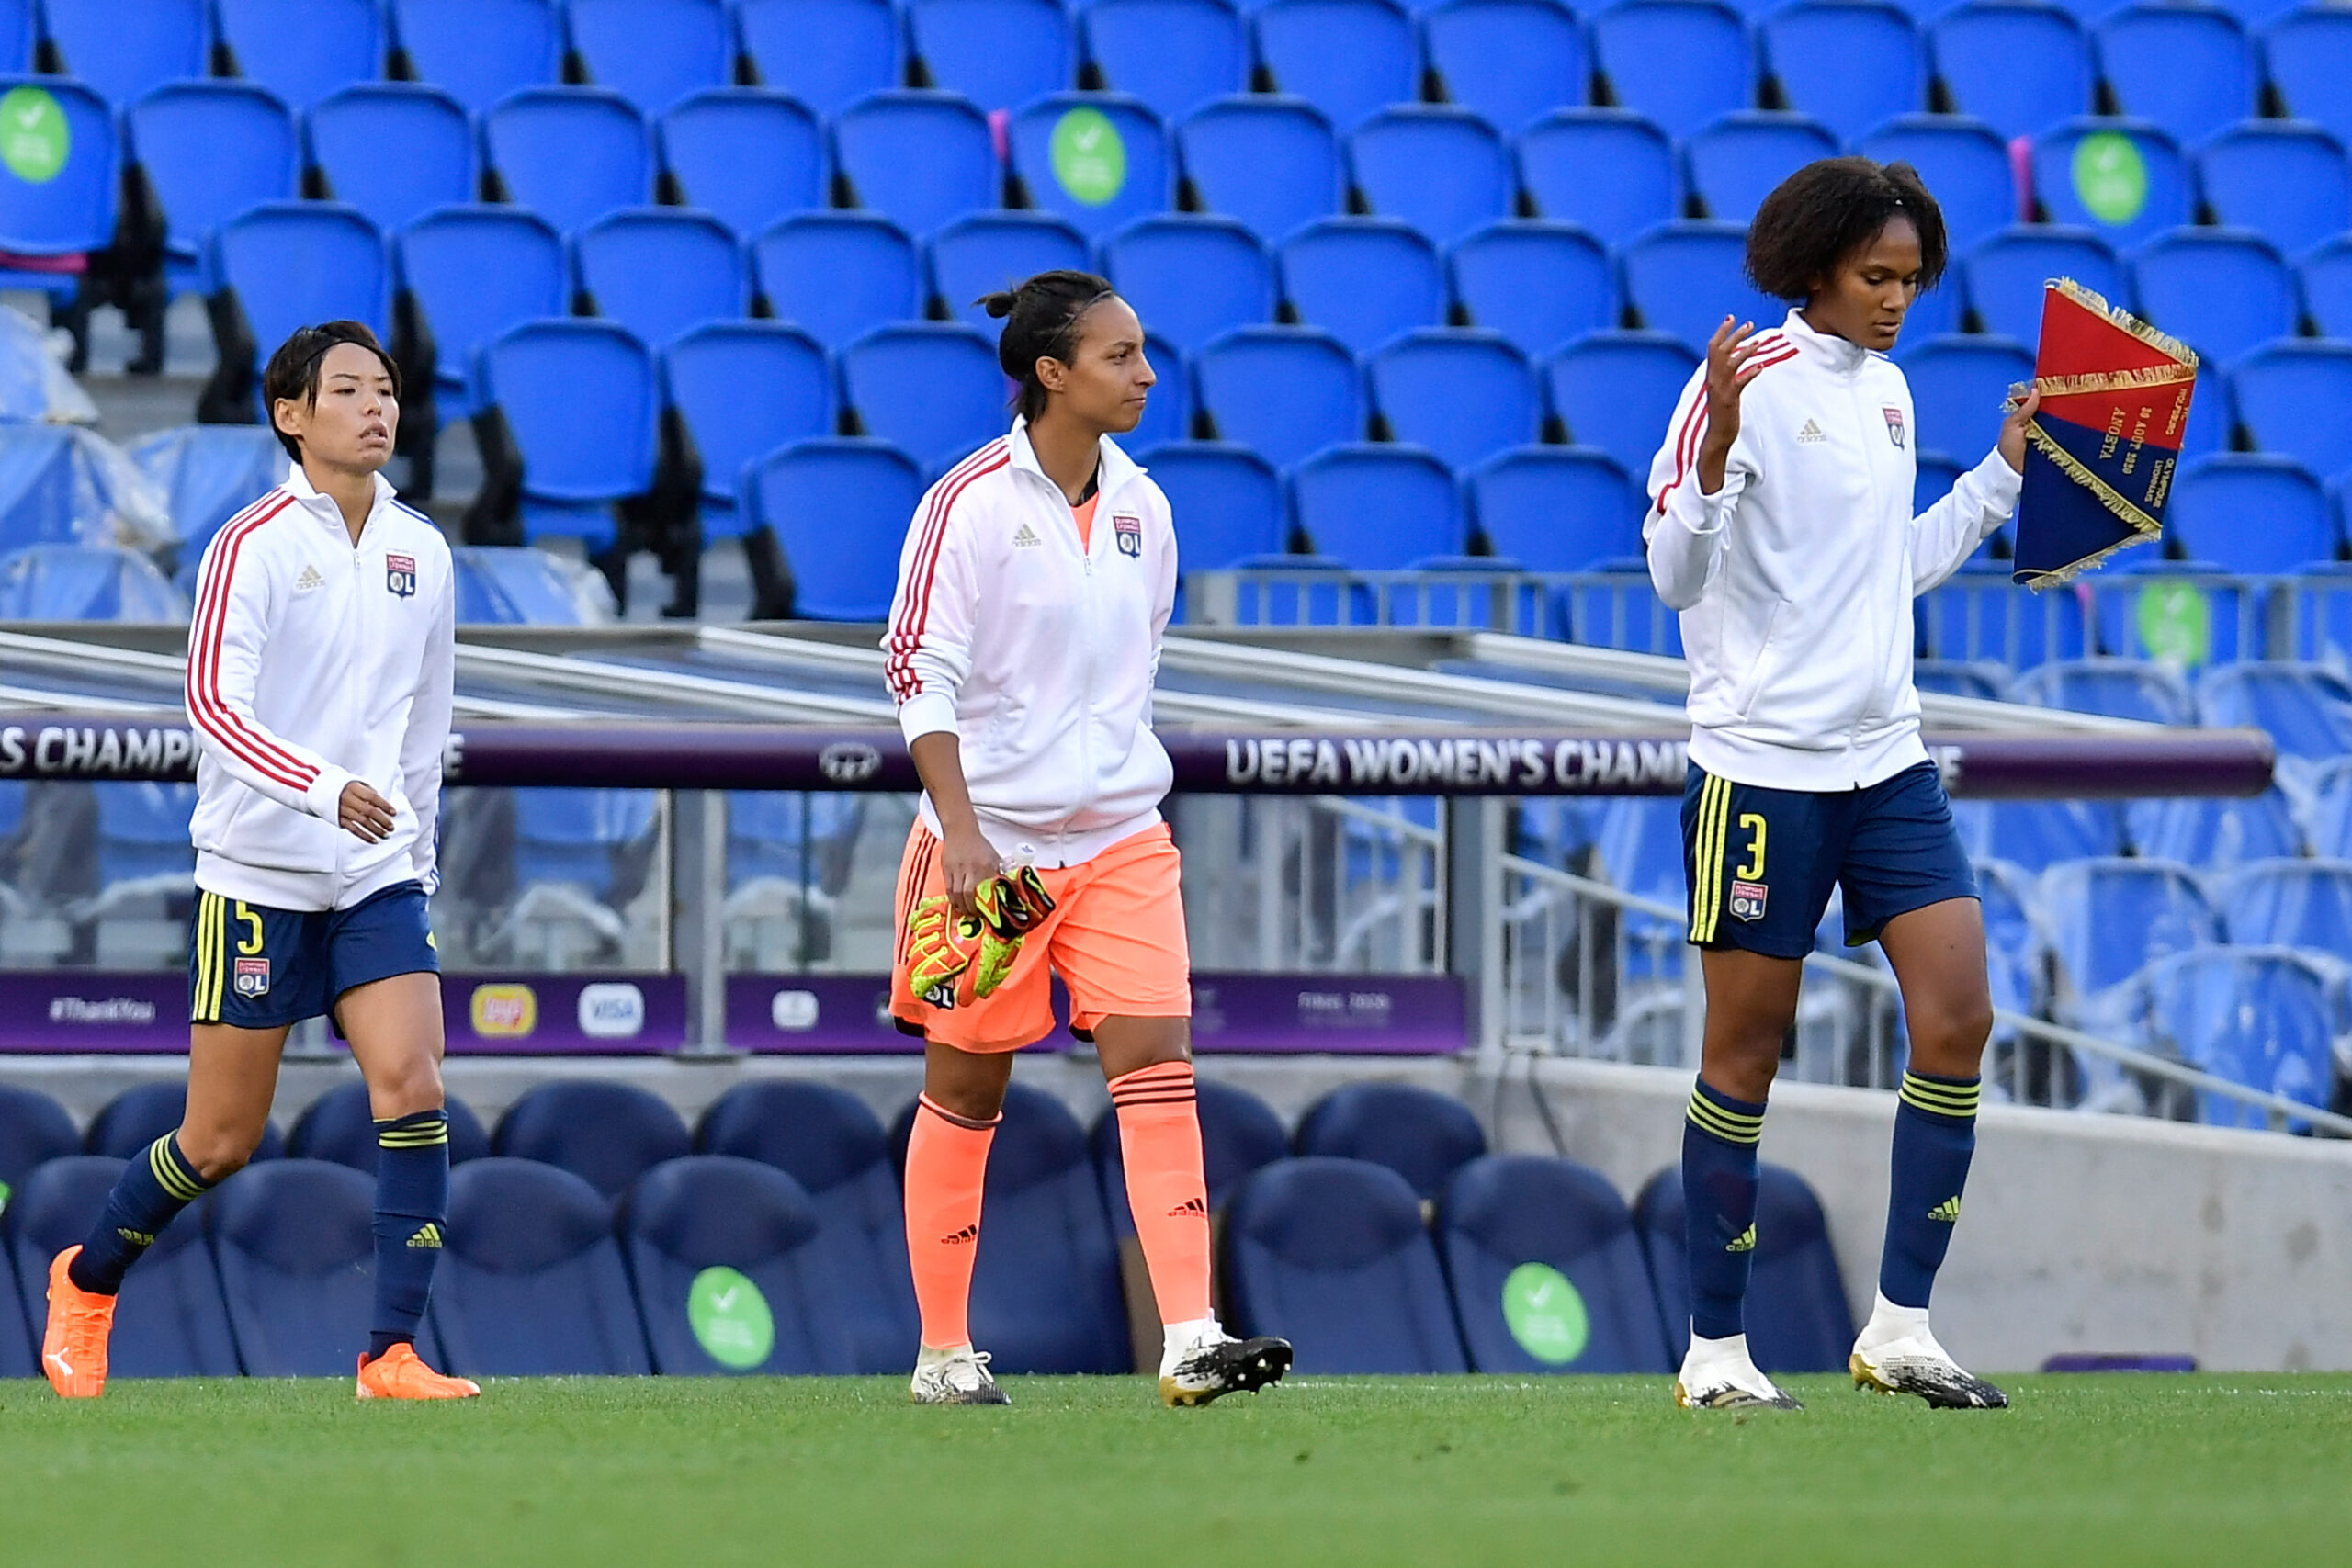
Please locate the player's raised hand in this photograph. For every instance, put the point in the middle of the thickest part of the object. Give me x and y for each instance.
(1728, 374)
(2012, 443)
(364, 814)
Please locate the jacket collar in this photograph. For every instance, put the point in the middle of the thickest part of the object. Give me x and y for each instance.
(1117, 467)
(322, 507)
(1829, 352)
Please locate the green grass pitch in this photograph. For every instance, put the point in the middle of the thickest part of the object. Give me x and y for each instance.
(2239, 1471)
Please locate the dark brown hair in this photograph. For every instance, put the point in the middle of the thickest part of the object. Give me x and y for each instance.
(1825, 211)
(293, 370)
(1040, 322)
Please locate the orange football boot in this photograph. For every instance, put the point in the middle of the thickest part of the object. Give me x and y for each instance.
(73, 1346)
(398, 1373)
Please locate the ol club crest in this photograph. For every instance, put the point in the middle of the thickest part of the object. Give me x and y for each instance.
(252, 978)
(1748, 900)
(1893, 425)
(1129, 532)
(399, 575)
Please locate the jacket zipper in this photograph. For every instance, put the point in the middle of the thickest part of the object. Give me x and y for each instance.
(1094, 787)
(1880, 633)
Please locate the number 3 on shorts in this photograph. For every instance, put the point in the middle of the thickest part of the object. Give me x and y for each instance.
(1753, 826)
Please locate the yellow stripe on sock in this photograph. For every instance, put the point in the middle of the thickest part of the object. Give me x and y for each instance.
(1731, 1126)
(1941, 1099)
(178, 1183)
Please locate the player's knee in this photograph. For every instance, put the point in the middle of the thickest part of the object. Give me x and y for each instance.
(1952, 1034)
(405, 1087)
(218, 1153)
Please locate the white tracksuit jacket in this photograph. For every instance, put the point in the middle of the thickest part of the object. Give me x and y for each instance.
(312, 662)
(1040, 656)
(1795, 578)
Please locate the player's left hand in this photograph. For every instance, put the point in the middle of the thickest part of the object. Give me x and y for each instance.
(364, 814)
(2012, 444)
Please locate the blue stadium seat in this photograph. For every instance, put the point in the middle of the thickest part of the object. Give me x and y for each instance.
(1958, 387)
(1286, 391)
(654, 52)
(340, 1126)
(749, 155)
(1606, 170)
(1540, 284)
(571, 154)
(1734, 163)
(73, 211)
(2290, 903)
(1191, 277)
(1964, 163)
(2187, 67)
(2116, 688)
(1241, 1134)
(834, 505)
(660, 271)
(2106, 919)
(1046, 1294)
(40, 469)
(33, 1128)
(825, 1139)
(2306, 708)
(2020, 66)
(2159, 610)
(2327, 816)
(211, 151)
(1270, 161)
(1546, 1270)
(606, 1134)
(1378, 506)
(124, 63)
(1683, 277)
(578, 457)
(473, 273)
(1423, 1135)
(745, 389)
(2251, 513)
(999, 53)
(1465, 395)
(990, 251)
(293, 1243)
(919, 158)
(1445, 171)
(1331, 1255)
(837, 276)
(1363, 280)
(2036, 834)
(2123, 179)
(2296, 397)
(2287, 181)
(827, 53)
(290, 264)
(531, 1281)
(303, 49)
(210, 472)
(1173, 55)
(1167, 415)
(126, 1124)
(2223, 291)
(1228, 502)
(1617, 392)
(168, 1321)
(514, 585)
(2262, 1017)
(1556, 508)
(350, 132)
(1099, 160)
(74, 583)
(2016, 962)
(1509, 60)
(932, 388)
(479, 50)
(18, 26)
(1348, 58)
(1851, 65)
(1798, 1320)
(1932, 479)
(2216, 835)
(2326, 276)
(2309, 54)
(569, 836)
(143, 837)
(1679, 63)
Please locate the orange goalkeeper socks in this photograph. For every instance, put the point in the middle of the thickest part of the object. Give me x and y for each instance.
(1160, 1138)
(947, 1164)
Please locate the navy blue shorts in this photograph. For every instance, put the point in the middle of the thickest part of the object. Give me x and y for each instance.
(1761, 862)
(254, 967)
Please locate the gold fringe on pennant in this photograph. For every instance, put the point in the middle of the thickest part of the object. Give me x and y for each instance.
(2163, 343)
(2115, 380)
(2145, 529)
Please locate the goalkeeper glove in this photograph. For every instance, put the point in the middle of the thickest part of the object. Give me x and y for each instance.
(937, 958)
(1012, 905)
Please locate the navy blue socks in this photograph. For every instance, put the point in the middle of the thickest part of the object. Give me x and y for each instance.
(412, 1206)
(1719, 1184)
(1935, 1134)
(155, 1185)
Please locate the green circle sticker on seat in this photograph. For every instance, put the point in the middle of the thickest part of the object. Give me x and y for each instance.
(2110, 177)
(1090, 160)
(2175, 623)
(34, 138)
(1545, 1314)
(730, 1319)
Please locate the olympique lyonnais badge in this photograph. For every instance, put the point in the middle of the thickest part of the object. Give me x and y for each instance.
(1748, 900)
(1128, 531)
(2105, 441)
(1893, 424)
(252, 978)
(399, 575)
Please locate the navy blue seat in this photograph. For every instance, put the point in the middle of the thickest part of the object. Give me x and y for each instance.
(2251, 513)
(531, 1281)
(2327, 287)
(580, 457)
(1239, 1136)
(2262, 1017)
(999, 53)
(571, 154)
(919, 158)
(1851, 64)
(1798, 1319)
(1423, 1135)
(608, 1133)
(2038, 834)
(1363, 280)
(1465, 395)
(1445, 171)
(744, 389)
(169, 1321)
(1539, 284)
(749, 156)
(827, 53)
(1546, 1270)
(1378, 507)
(1556, 508)
(2118, 688)
(33, 1128)
(2018, 65)
(143, 837)
(1331, 1255)
(2306, 708)
(73, 211)
(1679, 63)
(1734, 163)
(2309, 54)
(1964, 161)
(2291, 182)
(350, 131)
(303, 49)
(474, 273)
(2005, 274)
(837, 276)
(1683, 277)
(932, 388)
(2187, 67)
(825, 1139)
(1270, 161)
(1286, 391)
(989, 251)
(479, 50)
(514, 585)
(289, 264)
(654, 52)
(661, 271)
(120, 63)
(1191, 277)
(210, 149)
(2123, 179)
(1173, 55)
(1608, 171)
(1348, 58)
(2218, 834)
(340, 1125)
(1617, 392)
(1958, 385)
(126, 1124)
(1097, 159)
(733, 1275)
(2290, 903)
(2223, 291)
(296, 1252)
(828, 502)
(1228, 502)
(1509, 60)
(2296, 397)
(2106, 919)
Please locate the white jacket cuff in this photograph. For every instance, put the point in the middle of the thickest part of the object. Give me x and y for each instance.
(926, 713)
(323, 799)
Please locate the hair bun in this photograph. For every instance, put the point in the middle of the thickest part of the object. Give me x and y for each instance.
(998, 304)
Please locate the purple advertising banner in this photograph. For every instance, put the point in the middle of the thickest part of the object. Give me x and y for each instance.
(77, 1010)
(813, 1015)
(564, 1015)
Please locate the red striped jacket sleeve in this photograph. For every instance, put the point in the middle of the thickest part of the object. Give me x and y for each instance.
(928, 648)
(1684, 531)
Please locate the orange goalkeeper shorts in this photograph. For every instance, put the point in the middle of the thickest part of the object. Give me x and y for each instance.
(1115, 937)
